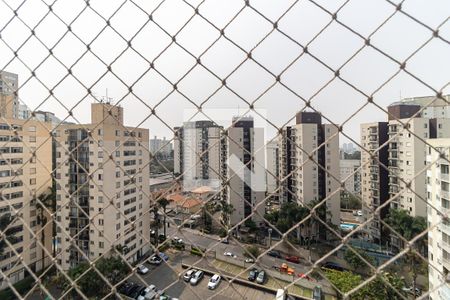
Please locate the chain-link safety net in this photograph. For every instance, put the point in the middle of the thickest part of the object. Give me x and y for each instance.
(251, 196)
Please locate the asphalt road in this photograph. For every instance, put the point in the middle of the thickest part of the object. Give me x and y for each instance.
(266, 262)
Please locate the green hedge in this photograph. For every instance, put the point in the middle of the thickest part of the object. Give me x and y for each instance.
(196, 252)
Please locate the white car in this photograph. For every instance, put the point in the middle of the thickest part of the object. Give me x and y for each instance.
(249, 260)
(188, 275)
(148, 292)
(360, 213)
(230, 254)
(214, 281)
(141, 269)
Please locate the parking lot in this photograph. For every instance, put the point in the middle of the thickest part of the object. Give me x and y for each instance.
(166, 277)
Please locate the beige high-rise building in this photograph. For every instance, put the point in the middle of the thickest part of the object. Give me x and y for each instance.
(272, 168)
(25, 174)
(374, 176)
(246, 170)
(438, 198)
(102, 187)
(306, 178)
(9, 100)
(407, 153)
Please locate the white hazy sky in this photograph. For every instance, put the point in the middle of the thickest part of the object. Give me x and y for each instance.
(368, 69)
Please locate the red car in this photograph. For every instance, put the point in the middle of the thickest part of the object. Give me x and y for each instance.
(293, 259)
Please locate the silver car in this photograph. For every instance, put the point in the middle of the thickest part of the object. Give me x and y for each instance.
(196, 277)
(188, 275)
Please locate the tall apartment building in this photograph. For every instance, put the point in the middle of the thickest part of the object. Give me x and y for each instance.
(350, 174)
(374, 176)
(9, 100)
(272, 168)
(198, 154)
(438, 197)
(98, 164)
(161, 146)
(432, 107)
(25, 174)
(246, 143)
(407, 156)
(305, 179)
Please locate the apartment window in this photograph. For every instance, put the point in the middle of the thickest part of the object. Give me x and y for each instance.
(117, 153)
(100, 154)
(100, 222)
(117, 132)
(117, 143)
(32, 181)
(117, 174)
(32, 170)
(100, 176)
(117, 184)
(32, 139)
(32, 129)
(101, 245)
(117, 226)
(100, 199)
(100, 132)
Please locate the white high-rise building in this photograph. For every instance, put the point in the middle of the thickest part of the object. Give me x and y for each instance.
(309, 159)
(162, 146)
(350, 172)
(198, 154)
(438, 210)
(272, 168)
(246, 189)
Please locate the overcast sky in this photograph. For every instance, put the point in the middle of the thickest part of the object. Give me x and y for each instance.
(367, 71)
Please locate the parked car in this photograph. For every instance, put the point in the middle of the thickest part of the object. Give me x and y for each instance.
(333, 266)
(317, 293)
(230, 254)
(410, 290)
(261, 278)
(249, 260)
(163, 256)
(141, 269)
(132, 290)
(148, 293)
(125, 287)
(214, 281)
(137, 292)
(293, 259)
(274, 253)
(155, 260)
(360, 213)
(304, 276)
(188, 275)
(195, 279)
(177, 240)
(252, 274)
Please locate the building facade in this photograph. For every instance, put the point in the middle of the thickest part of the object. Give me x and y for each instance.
(25, 175)
(246, 187)
(438, 197)
(272, 169)
(9, 100)
(198, 155)
(407, 156)
(309, 163)
(374, 176)
(351, 176)
(162, 147)
(102, 184)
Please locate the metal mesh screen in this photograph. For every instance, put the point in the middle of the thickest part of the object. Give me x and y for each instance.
(89, 211)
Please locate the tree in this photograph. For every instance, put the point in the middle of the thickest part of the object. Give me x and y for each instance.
(377, 289)
(409, 227)
(163, 202)
(114, 269)
(355, 262)
(227, 209)
(251, 251)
